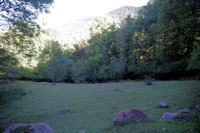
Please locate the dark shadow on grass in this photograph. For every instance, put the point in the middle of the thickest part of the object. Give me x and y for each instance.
(65, 111)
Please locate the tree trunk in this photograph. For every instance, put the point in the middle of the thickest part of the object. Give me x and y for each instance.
(53, 75)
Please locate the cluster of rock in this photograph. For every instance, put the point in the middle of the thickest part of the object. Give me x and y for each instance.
(136, 115)
(180, 114)
(30, 128)
(123, 117)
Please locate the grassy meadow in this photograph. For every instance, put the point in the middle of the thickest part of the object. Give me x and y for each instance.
(70, 108)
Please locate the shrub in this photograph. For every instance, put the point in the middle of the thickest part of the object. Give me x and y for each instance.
(79, 73)
(10, 91)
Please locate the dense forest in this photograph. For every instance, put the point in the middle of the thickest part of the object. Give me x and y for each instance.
(162, 43)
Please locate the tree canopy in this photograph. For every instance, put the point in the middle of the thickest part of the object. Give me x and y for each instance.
(12, 11)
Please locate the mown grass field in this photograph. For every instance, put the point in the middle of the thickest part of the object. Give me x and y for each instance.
(69, 108)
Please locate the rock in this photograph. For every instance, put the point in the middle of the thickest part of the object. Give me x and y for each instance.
(197, 106)
(186, 113)
(186, 110)
(163, 104)
(169, 116)
(177, 115)
(130, 115)
(32, 128)
(184, 116)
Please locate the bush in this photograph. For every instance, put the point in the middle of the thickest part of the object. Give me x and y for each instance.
(194, 62)
(106, 73)
(10, 91)
(79, 73)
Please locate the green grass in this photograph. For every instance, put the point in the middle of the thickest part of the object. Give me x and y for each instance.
(69, 108)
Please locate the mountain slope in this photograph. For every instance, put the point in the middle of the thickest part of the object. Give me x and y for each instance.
(120, 14)
(77, 30)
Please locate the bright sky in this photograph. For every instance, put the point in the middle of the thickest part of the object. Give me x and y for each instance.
(67, 10)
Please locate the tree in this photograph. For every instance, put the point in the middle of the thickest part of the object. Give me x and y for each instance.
(194, 62)
(52, 62)
(124, 45)
(78, 71)
(8, 65)
(101, 51)
(12, 11)
(19, 40)
(178, 33)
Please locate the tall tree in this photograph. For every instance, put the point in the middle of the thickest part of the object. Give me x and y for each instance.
(52, 62)
(178, 31)
(124, 44)
(101, 51)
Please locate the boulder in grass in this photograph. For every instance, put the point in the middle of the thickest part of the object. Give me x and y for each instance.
(130, 115)
(28, 128)
(163, 104)
(177, 115)
(185, 116)
(186, 110)
(169, 116)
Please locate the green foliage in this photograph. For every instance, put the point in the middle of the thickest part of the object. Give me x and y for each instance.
(19, 42)
(17, 47)
(52, 62)
(106, 73)
(19, 38)
(158, 43)
(8, 65)
(79, 73)
(161, 39)
(194, 62)
(9, 91)
(101, 52)
(12, 11)
(26, 73)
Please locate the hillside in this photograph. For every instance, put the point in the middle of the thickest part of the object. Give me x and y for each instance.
(74, 31)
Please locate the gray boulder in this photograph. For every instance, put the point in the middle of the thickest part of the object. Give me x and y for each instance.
(169, 116)
(180, 114)
(184, 116)
(163, 104)
(186, 110)
(32, 128)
